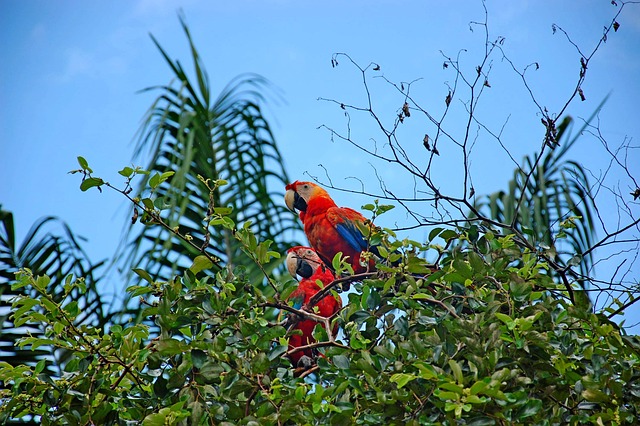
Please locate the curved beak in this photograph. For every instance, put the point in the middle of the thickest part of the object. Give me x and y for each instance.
(294, 201)
(292, 263)
(299, 265)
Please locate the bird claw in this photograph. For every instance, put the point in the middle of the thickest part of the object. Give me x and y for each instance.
(305, 362)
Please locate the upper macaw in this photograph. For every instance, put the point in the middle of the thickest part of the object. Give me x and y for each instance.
(329, 228)
(304, 262)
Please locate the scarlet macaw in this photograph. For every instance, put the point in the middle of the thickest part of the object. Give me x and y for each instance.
(329, 228)
(304, 261)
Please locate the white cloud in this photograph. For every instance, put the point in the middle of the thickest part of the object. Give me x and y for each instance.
(78, 63)
(82, 64)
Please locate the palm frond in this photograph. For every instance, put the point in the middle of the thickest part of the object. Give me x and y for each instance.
(543, 195)
(228, 138)
(51, 248)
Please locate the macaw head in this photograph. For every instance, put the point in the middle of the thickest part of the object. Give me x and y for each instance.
(303, 261)
(299, 193)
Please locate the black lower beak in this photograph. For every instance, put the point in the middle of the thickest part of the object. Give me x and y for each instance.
(299, 203)
(303, 268)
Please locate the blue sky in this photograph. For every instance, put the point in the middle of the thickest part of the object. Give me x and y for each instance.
(71, 72)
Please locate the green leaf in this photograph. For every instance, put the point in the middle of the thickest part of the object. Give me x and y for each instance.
(476, 262)
(72, 308)
(383, 208)
(90, 183)
(475, 399)
(421, 296)
(35, 343)
(478, 387)
(277, 352)
(166, 175)
(200, 263)
(402, 379)
(369, 207)
(341, 361)
(126, 172)
(161, 418)
(434, 233)
(520, 290)
(157, 179)
(26, 305)
(448, 234)
(143, 274)
(444, 395)
(366, 290)
(197, 412)
(58, 327)
(595, 395)
(42, 282)
(239, 387)
(582, 300)
(84, 165)
(506, 319)
(260, 363)
(457, 371)
(170, 347)
(337, 261)
(223, 211)
(40, 366)
(148, 203)
(452, 387)
(154, 180)
(160, 203)
(198, 358)
(426, 371)
(50, 306)
(531, 408)
(139, 290)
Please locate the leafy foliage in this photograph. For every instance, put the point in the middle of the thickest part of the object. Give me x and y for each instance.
(480, 341)
(197, 144)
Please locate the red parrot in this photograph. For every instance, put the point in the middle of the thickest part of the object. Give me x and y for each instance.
(304, 261)
(329, 228)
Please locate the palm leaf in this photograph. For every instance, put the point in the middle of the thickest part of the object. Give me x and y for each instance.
(540, 197)
(227, 138)
(50, 248)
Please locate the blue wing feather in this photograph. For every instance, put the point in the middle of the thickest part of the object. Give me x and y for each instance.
(351, 235)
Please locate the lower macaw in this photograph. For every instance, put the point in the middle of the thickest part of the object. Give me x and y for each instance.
(329, 228)
(304, 262)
